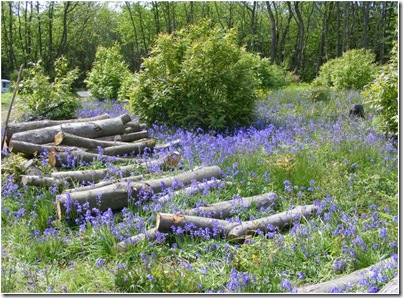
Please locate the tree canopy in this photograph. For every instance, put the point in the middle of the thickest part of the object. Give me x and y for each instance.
(300, 36)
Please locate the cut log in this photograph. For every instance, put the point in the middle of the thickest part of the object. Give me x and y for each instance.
(166, 221)
(150, 234)
(131, 137)
(24, 126)
(161, 147)
(117, 196)
(105, 183)
(225, 209)
(64, 138)
(136, 126)
(124, 171)
(93, 129)
(58, 159)
(191, 190)
(130, 149)
(391, 287)
(29, 149)
(347, 280)
(281, 220)
(39, 180)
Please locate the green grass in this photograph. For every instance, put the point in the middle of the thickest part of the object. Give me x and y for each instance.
(319, 157)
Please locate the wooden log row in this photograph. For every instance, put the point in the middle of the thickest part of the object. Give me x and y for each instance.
(230, 230)
(13, 128)
(347, 280)
(117, 196)
(391, 287)
(93, 129)
(171, 160)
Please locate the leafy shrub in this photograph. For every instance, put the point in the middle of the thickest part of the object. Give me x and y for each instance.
(40, 95)
(382, 94)
(107, 74)
(354, 70)
(270, 76)
(319, 93)
(196, 77)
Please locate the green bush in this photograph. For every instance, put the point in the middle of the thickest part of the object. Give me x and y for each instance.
(40, 95)
(196, 77)
(382, 94)
(107, 74)
(353, 70)
(270, 76)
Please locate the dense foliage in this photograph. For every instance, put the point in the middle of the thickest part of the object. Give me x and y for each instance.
(297, 35)
(107, 73)
(50, 99)
(382, 94)
(353, 70)
(196, 77)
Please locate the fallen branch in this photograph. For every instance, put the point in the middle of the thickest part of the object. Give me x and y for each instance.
(39, 181)
(117, 196)
(94, 129)
(150, 234)
(281, 220)
(131, 137)
(225, 209)
(167, 145)
(347, 280)
(136, 126)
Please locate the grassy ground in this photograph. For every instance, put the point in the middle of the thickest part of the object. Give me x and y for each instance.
(305, 152)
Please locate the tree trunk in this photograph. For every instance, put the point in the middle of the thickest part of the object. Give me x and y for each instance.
(343, 282)
(39, 181)
(281, 220)
(273, 29)
(118, 196)
(64, 138)
(93, 129)
(223, 210)
(167, 161)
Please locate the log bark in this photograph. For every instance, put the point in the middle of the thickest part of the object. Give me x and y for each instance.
(93, 129)
(161, 147)
(105, 183)
(64, 138)
(150, 234)
(131, 149)
(136, 126)
(30, 149)
(281, 220)
(124, 171)
(58, 159)
(392, 287)
(193, 189)
(39, 181)
(24, 126)
(343, 282)
(166, 221)
(117, 196)
(225, 209)
(130, 137)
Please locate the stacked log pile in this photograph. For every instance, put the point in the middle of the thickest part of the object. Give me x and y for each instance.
(80, 138)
